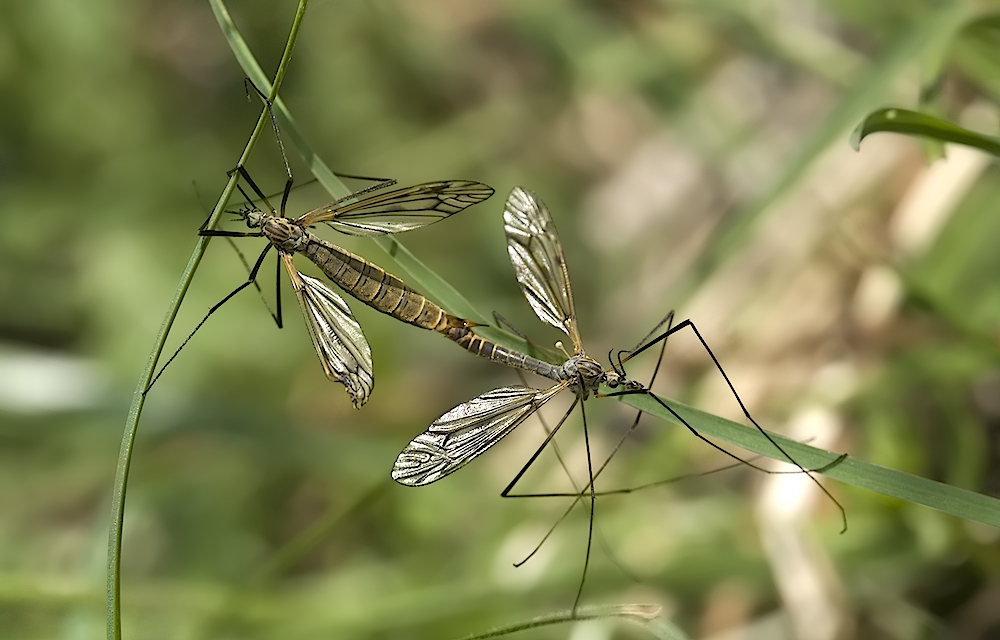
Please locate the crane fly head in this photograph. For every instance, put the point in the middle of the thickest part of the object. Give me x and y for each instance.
(616, 376)
(253, 217)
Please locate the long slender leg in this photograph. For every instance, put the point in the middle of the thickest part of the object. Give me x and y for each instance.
(215, 233)
(242, 258)
(250, 280)
(555, 445)
(281, 146)
(808, 472)
(276, 316)
(635, 423)
(667, 320)
(628, 433)
(580, 491)
(689, 324)
(506, 493)
(253, 185)
(382, 182)
(593, 506)
(277, 290)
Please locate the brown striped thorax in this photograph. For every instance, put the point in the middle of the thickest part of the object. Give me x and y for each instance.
(284, 233)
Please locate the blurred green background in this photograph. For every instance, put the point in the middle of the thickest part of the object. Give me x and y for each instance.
(694, 156)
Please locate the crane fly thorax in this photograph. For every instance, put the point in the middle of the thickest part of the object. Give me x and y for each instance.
(284, 234)
(583, 372)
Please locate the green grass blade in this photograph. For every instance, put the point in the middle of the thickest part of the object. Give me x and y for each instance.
(641, 615)
(915, 123)
(415, 272)
(253, 71)
(113, 594)
(890, 482)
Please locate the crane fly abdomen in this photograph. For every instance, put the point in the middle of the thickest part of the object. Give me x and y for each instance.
(374, 286)
(474, 343)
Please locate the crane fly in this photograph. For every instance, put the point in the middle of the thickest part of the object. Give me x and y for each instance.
(337, 337)
(472, 428)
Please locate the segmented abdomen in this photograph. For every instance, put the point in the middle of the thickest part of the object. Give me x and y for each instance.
(375, 287)
(383, 291)
(480, 346)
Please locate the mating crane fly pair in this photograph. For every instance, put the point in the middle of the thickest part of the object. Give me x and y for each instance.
(472, 428)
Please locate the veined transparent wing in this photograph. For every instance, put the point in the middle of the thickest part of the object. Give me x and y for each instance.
(537, 256)
(401, 209)
(467, 431)
(340, 344)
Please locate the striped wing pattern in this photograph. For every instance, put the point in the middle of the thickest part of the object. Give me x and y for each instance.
(340, 344)
(538, 260)
(467, 431)
(401, 209)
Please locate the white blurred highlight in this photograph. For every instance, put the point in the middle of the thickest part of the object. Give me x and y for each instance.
(932, 198)
(592, 630)
(877, 297)
(36, 381)
(809, 587)
(515, 548)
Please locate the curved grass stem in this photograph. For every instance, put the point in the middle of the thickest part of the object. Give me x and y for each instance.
(138, 399)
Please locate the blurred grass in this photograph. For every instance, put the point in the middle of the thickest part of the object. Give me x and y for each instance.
(661, 117)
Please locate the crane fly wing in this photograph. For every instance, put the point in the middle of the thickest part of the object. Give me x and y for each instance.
(340, 344)
(468, 430)
(401, 209)
(537, 256)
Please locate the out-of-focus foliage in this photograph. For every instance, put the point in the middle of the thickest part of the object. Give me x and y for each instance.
(857, 308)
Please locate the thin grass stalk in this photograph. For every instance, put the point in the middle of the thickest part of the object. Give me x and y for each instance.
(138, 398)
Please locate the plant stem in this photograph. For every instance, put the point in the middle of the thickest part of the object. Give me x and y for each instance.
(139, 397)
